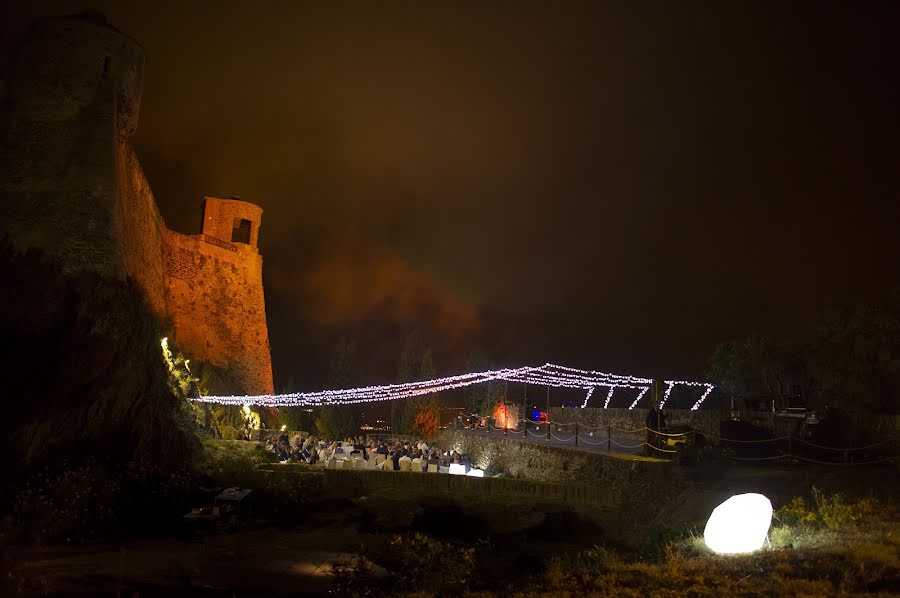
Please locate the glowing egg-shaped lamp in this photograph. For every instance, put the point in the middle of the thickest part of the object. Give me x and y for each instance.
(476, 473)
(740, 524)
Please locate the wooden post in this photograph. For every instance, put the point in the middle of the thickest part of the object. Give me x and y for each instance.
(505, 414)
(548, 413)
(525, 407)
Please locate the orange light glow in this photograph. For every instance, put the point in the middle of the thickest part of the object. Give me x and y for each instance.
(506, 416)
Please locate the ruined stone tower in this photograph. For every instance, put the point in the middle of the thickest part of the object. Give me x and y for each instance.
(74, 188)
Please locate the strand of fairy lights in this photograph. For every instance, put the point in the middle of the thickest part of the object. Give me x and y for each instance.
(588, 397)
(671, 384)
(639, 397)
(609, 395)
(545, 375)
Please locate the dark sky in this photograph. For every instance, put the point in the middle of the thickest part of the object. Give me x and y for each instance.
(615, 185)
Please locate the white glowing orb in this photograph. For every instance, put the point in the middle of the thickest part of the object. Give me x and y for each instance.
(476, 473)
(740, 524)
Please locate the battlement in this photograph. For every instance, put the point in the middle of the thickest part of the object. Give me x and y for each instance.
(232, 220)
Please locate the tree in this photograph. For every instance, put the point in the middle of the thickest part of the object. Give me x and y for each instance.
(341, 421)
(416, 364)
(478, 396)
(344, 370)
(294, 418)
(337, 421)
(756, 368)
(855, 357)
(428, 419)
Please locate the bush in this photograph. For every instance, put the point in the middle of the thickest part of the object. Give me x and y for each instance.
(831, 512)
(92, 502)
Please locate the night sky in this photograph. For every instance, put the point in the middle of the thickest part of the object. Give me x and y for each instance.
(617, 186)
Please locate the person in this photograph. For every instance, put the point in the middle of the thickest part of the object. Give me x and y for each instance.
(396, 459)
(313, 457)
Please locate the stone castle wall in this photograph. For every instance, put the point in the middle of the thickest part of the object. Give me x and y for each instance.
(74, 188)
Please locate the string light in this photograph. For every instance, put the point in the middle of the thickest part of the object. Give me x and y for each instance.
(670, 384)
(586, 398)
(709, 389)
(639, 397)
(546, 375)
(609, 395)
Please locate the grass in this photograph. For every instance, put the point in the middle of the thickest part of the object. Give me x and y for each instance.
(825, 547)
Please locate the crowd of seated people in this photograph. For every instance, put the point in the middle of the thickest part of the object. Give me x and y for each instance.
(397, 455)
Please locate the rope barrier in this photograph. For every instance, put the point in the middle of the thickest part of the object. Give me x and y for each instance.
(757, 458)
(628, 431)
(658, 449)
(658, 433)
(626, 446)
(753, 441)
(537, 432)
(848, 464)
(831, 448)
(589, 442)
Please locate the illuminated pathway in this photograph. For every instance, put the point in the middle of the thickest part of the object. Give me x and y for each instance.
(549, 375)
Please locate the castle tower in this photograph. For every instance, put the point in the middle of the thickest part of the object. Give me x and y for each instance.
(73, 91)
(232, 220)
(215, 295)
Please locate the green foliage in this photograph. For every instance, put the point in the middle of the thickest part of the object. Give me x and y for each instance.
(756, 367)
(418, 563)
(853, 362)
(295, 418)
(657, 540)
(95, 502)
(478, 396)
(337, 422)
(344, 370)
(856, 356)
(415, 365)
(428, 420)
(83, 359)
(835, 513)
(829, 511)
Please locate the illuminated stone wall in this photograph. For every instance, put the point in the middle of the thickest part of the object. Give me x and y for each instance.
(73, 187)
(216, 303)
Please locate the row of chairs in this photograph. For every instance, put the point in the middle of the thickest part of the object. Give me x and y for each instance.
(380, 462)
